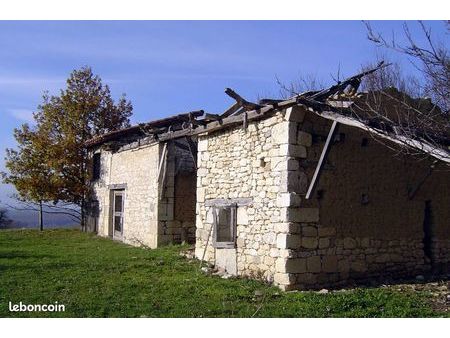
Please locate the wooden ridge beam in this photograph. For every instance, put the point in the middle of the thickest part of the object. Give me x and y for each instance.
(213, 117)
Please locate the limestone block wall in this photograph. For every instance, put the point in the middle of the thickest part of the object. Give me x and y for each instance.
(249, 167)
(361, 223)
(134, 170)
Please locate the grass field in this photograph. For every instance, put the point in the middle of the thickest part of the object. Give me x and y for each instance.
(97, 277)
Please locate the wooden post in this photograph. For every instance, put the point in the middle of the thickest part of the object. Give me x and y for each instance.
(162, 171)
(322, 159)
(209, 235)
(83, 215)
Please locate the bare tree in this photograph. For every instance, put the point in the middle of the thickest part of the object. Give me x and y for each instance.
(390, 77)
(432, 60)
(415, 110)
(304, 83)
(407, 113)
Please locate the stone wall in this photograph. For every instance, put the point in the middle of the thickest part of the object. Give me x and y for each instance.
(153, 215)
(367, 225)
(247, 167)
(135, 171)
(360, 224)
(177, 203)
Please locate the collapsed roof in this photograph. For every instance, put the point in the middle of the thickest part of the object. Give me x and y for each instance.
(155, 127)
(335, 103)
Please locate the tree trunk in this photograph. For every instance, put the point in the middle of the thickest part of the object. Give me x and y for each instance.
(41, 218)
(82, 222)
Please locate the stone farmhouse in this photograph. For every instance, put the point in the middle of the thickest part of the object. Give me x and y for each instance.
(305, 192)
(143, 187)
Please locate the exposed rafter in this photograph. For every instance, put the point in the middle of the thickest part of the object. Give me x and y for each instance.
(247, 105)
(331, 103)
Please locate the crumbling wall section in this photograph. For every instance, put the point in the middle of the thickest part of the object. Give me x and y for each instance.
(177, 202)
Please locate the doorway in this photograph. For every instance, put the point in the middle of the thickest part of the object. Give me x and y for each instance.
(225, 218)
(117, 215)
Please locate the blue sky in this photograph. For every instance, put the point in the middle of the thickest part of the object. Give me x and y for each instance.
(168, 67)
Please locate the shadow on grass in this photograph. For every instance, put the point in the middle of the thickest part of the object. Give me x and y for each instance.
(23, 254)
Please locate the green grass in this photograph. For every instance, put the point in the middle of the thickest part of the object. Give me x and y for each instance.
(97, 277)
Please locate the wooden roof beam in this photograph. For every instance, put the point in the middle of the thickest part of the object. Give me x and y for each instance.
(213, 117)
(231, 110)
(247, 105)
(352, 82)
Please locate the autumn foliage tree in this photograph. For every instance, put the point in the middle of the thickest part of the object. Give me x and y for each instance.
(51, 162)
(29, 169)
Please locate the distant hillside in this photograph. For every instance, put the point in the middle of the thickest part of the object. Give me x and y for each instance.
(29, 219)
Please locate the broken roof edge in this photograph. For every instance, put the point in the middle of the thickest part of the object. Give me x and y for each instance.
(324, 103)
(340, 113)
(246, 106)
(142, 128)
(421, 145)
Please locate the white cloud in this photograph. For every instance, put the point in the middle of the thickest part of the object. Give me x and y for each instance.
(22, 114)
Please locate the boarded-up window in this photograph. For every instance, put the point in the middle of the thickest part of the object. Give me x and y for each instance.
(96, 166)
(225, 226)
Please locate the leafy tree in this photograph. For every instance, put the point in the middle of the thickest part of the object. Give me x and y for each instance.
(29, 169)
(51, 162)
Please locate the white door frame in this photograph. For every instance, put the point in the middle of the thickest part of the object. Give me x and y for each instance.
(118, 213)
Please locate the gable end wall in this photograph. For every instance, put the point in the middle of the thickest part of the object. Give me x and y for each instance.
(136, 170)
